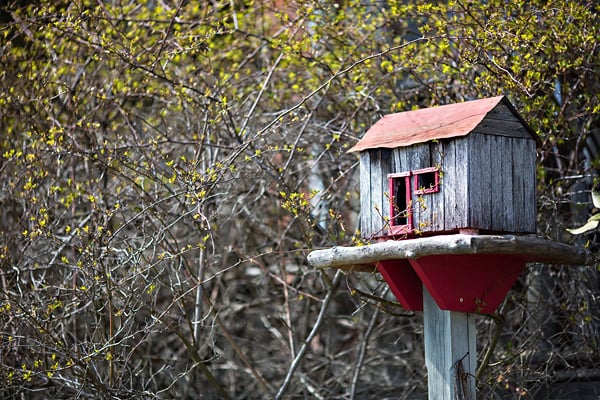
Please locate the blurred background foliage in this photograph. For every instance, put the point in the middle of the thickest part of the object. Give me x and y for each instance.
(165, 167)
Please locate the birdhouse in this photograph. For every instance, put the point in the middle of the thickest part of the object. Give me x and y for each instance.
(466, 166)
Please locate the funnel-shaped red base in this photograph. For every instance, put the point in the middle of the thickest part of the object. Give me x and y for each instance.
(466, 283)
(469, 283)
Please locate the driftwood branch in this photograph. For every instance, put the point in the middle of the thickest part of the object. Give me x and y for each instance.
(530, 248)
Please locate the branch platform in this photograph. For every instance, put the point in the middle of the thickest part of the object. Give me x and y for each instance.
(528, 248)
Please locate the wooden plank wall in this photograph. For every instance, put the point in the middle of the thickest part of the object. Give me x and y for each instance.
(455, 175)
(436, 214)
(503, 215)
(365, 194)
(517, 207)
(502, 121)
(529, 183)
(375, 164)
(481, 193)
(501, 183)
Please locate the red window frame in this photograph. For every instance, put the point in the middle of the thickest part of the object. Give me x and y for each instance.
(399, 229)
(433, 185)
(411, 186)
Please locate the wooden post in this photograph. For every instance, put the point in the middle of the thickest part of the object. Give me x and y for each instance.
(450, 352)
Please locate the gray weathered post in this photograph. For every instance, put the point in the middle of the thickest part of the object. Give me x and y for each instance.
(450, 352)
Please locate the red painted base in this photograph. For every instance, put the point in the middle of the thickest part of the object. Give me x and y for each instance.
(403, 282)
(465, 283)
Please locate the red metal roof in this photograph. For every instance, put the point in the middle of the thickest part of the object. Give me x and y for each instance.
(410, 127)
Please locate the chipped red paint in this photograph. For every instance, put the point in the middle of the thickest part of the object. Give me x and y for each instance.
(469, 283)
(403, 282)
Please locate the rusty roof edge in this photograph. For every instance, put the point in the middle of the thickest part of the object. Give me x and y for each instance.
(501, 99)
(498, 99)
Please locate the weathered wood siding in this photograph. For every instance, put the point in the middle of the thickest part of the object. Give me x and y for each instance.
(375, 165)
(501, 121)
(479, 186)
(454, 183)
(529, 184)
(501, 183)
(365, 193)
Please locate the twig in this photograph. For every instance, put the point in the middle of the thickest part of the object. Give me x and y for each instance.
(167, 33)
(362, 352)
(296, 362)
(260, 93)
(286, 306)
(461, 383)
(199, 293)
(489, 351)
(259, 378)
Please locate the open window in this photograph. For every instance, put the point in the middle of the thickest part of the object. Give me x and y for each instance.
(400, 203)
(402, 186)
(426, 180)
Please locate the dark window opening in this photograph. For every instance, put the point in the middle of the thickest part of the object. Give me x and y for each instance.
(400, 207)
(426, 181)
(400, 202)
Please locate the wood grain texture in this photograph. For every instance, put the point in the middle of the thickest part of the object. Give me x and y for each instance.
(449, 181)
(437, 199)
(491, 126)
(502, 112)
(365, 194)
(519, 168)
(480, 182)
(505, 187)
(497, 173)
(450, 352)
(376, 207)
(386, 165)
(530, 183)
